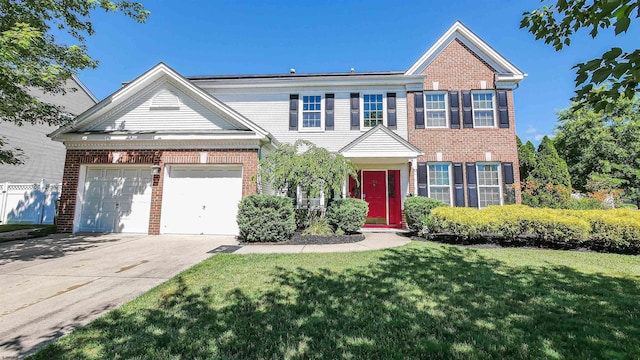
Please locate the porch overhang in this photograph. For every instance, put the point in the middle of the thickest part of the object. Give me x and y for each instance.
(380, 145)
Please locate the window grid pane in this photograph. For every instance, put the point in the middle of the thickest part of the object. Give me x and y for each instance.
(311, 111)
(483, 109)
(439, 184)
(488, 185)
(373, 111)
(435, 109)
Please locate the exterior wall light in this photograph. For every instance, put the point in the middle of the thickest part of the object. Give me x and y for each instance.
(155, 170)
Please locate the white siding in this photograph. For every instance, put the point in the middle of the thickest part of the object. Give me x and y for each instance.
(378, 143)
(270, 110)
(140, 115)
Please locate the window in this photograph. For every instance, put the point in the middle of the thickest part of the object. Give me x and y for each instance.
(483, 109)
(489, 185)
(311, 112)
(440, 182)
(435, 108)
(315, 202)
(373, 110)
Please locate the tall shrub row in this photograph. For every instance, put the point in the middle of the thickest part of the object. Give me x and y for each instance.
(611, 230)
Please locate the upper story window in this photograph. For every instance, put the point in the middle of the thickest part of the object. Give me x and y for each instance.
(489, 185)
(311, 112)
(372, 110)
(483, 106)
(440, 182)
(435, 107)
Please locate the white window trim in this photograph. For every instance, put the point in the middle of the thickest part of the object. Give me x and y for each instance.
(500, 184)
(299, 199)
(301, 113)
(446, 110)
(384, 110)
(493, 102)
(450, 167)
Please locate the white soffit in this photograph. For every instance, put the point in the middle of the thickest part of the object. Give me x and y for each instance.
(505, 69)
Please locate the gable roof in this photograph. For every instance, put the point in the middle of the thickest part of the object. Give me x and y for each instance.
(380, 142)
(506, 71)
(150, 76)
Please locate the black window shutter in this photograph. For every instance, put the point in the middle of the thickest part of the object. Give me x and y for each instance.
(391, 111)
(328, 111)
(422, 179)
(467, 118)
(355, 111)
(503, 109)
(454, 110)
(293, 112)
(418, 102)
(507, 173)
(472, 189)
(458, 185)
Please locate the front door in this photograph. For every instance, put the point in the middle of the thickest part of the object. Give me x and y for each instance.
(374, 192)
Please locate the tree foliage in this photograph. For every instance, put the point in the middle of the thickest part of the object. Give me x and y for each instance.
(558, 21)
(527, 156)
(550, 168)
(32, 55)
(314, 170)
(602, 149)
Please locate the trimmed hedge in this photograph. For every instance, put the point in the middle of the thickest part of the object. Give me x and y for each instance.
(266, 218)
(417, 210)
(615, 230)
(347, 215)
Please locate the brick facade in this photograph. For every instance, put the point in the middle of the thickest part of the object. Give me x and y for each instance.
(458, 68)
(248, 158)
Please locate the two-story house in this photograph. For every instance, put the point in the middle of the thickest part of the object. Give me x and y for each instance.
(174, 154)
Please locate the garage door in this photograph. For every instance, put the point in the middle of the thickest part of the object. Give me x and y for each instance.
(201, 200)
(116, 200)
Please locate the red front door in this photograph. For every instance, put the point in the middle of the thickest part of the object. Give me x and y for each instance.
(374, 192)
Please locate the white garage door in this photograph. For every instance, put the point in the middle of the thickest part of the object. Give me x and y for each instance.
(116, 200)
(201, 200)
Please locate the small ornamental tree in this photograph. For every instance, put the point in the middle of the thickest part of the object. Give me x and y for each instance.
(303, 165)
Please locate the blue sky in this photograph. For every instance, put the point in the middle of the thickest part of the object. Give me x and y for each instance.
(263, 37)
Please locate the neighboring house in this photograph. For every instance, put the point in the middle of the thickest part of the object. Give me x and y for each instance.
(42, 158)
(174, 154)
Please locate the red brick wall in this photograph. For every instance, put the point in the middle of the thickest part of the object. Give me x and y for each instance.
(458, 68)
(76, 158)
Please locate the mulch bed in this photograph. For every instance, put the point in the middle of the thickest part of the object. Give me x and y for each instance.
(298, 239)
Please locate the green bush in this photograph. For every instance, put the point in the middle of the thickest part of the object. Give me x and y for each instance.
(417, 210)
(320, 227)
(347, 215)
(266, 218)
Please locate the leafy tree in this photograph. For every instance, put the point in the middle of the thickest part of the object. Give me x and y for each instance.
(314, 170)
(527, 158)
(602, 149)
(557, 22)
(32, 55)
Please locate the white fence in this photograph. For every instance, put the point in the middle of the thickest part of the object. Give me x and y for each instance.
(28, 203)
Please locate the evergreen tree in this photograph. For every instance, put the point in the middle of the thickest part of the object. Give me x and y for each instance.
(550, 168)
(527, 158)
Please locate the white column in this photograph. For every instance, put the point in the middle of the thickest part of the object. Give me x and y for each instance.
(414, 168)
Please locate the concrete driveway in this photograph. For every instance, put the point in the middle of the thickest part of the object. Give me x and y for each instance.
(49, 286)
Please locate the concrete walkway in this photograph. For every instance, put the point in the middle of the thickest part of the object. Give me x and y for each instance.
(372, 241)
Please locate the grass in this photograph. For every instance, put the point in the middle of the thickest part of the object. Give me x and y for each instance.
(39, 230)
(424, 300)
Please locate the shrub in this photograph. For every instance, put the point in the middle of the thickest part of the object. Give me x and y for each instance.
(319, 227)
(266, 218)
(347, 215)
(417, 210)
(306, 217)
(617, 230)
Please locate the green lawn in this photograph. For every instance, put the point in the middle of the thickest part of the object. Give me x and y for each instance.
(424, 300)
(39, 230)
